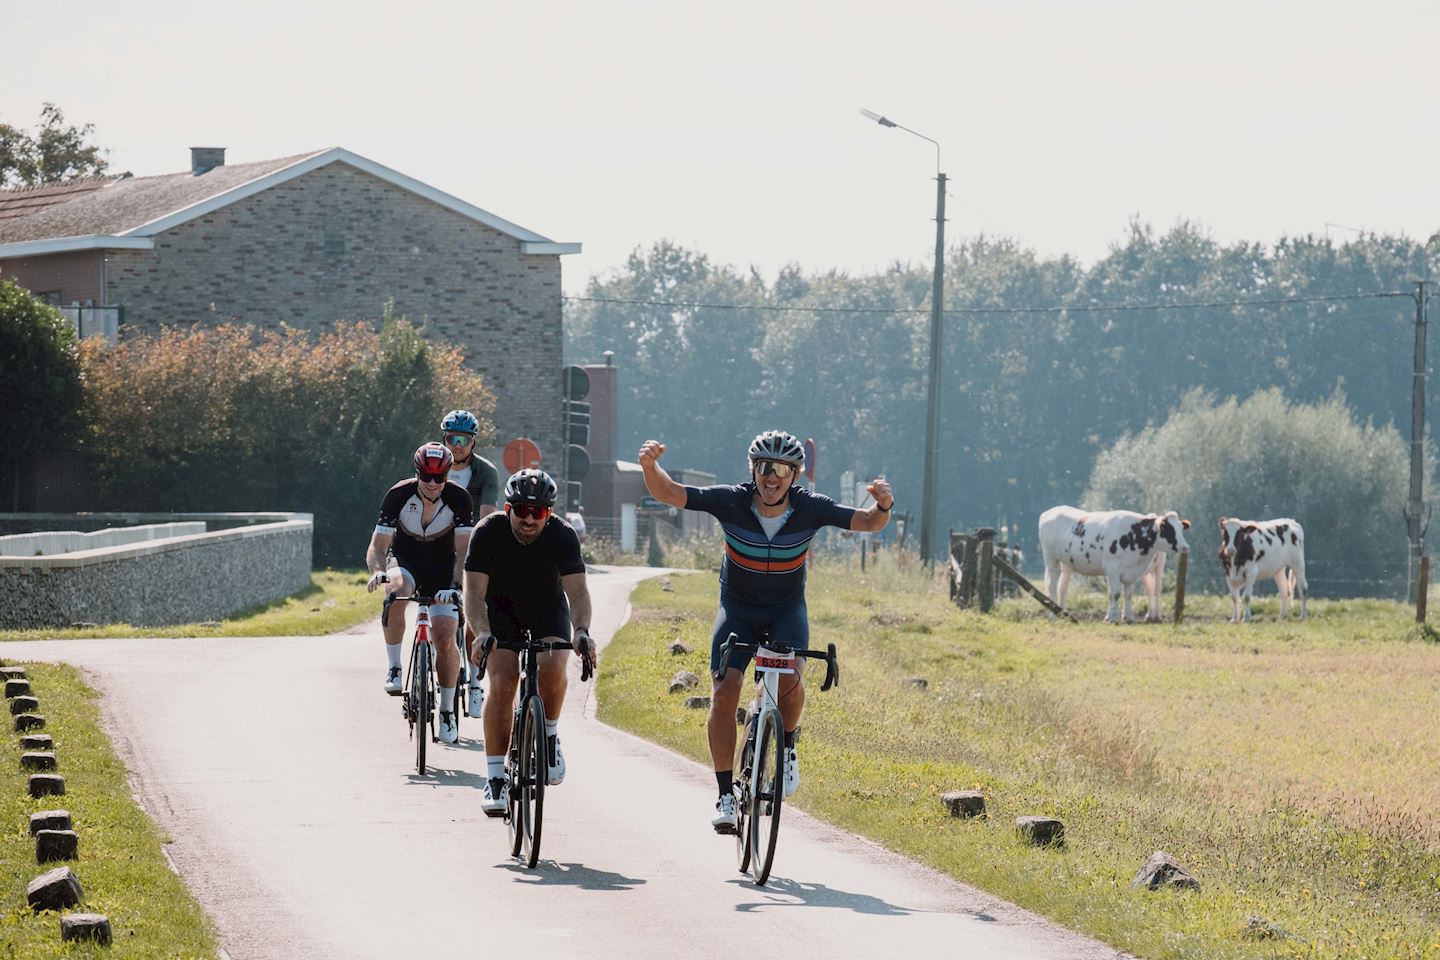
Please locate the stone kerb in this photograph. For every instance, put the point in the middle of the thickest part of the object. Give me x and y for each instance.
(205, 576)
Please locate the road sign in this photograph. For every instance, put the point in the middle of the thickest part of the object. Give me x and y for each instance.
(650, 503)
(521, 454)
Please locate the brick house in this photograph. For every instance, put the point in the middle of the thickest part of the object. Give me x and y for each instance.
(305, 240)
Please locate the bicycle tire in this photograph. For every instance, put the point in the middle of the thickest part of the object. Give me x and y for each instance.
(512, 800)
(767, 795)
(535, 769)
(742, 796)
(423, 706)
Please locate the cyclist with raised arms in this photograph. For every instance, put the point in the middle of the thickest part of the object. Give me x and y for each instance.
(523, 572)
(480, 478)
(418, 549)
(768, 523)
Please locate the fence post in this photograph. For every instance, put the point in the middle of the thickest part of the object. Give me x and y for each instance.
(950, 567)
(987, 575)
(1180, 572)
(967, 573)
(1422, 589)
(863, 542)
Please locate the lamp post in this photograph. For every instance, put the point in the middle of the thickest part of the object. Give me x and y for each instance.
(932, 393)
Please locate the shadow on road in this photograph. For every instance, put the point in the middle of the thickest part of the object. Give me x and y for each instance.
(440, 776)
(549, 873)
(790, 893)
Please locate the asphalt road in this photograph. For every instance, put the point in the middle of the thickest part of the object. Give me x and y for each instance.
(284, 776)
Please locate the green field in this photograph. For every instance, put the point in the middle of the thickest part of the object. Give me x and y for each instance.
(122, 867)
(1291, 767)
(335, 600)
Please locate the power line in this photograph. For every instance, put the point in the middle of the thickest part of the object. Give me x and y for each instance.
(1066, 308)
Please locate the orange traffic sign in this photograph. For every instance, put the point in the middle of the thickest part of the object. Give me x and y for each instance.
(521, 454)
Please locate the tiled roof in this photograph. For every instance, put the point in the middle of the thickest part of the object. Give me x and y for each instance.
(114, 205)
(28, 201)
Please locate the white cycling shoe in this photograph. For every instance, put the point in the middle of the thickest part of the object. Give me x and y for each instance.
(725, 820)
(792, 771)
(555, 775)
(447, 729)
(475, 701)
(495, 798)
(393, 682)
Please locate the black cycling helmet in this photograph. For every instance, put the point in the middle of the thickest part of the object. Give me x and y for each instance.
(777, 445)
(531, 486)
(460, 421)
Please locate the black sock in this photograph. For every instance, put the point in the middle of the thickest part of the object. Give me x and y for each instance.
(725, 779)
(790, 739)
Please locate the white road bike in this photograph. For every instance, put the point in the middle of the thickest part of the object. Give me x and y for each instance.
(760, 784)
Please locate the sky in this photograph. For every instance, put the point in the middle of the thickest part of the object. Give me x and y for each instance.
(735, 128)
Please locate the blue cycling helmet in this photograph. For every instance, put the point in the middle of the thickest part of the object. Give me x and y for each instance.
(460, 421)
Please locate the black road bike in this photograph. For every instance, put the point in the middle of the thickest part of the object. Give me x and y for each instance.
(528, 762)
(420, 694)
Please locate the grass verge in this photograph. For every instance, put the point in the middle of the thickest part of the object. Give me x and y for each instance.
(122, 866)
(1289, 766)
(335, 600)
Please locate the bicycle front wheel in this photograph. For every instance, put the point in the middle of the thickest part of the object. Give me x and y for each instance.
(767, 791)
(424, 703)
(742, 795)
(534, 770)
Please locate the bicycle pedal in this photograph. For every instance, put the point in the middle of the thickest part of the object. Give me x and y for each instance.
(726, 829)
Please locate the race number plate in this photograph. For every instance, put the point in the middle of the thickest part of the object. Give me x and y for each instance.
(770, 660)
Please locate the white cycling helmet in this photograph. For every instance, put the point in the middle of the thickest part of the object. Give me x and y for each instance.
(777, 445)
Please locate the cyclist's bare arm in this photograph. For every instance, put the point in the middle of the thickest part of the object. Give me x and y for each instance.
(872, 518)
(476, 615)
(462, 544)
(577, 591)
(657, 481)
(379, 547)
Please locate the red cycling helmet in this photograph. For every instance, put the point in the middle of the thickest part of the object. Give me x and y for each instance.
(432, 458)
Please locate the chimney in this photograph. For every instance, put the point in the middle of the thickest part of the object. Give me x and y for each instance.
(205, 159)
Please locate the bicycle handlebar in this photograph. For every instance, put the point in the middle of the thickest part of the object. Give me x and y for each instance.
(832, 665)
(587, 661)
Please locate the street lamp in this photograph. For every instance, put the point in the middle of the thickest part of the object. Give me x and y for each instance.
(937, 310)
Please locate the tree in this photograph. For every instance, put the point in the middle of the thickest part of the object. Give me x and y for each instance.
(54, 153)
(40, 391)
(1345, 481)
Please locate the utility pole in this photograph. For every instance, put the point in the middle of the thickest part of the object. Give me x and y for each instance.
(1416, 516)
(932, 413)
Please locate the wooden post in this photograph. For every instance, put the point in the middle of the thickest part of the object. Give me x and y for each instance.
(987, 575)
(1180, 572)
(952, 566)
(1004, 567)
(968, 572)
(863, 542)
(1422, 589)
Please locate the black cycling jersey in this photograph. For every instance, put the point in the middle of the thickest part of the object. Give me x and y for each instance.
(483, 482)
(427, 551)
(524, 588)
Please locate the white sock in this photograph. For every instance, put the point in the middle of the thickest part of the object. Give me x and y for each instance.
(496, 767)
(392, 653)
(447, 699)
(551, 726)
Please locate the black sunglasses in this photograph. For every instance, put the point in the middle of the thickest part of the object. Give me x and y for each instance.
(780, 469)
(433, 477)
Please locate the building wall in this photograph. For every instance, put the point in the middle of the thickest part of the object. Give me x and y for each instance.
(335, 244)
(76, 276)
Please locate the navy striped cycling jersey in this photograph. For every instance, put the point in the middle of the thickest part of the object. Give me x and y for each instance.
(758, 569)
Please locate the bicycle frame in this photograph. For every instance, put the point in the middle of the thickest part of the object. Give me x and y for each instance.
(417, 703)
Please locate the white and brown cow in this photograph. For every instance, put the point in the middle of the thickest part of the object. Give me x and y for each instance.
(1123, 547)
(1252, 550)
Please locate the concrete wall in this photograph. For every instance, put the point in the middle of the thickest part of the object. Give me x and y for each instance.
(71, 541)
(206, 576)
(335, 244)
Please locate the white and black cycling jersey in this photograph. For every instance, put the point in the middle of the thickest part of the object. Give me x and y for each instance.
(403, 510)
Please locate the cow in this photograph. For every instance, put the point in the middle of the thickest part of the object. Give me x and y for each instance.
(1253, 550)
(1121, 546)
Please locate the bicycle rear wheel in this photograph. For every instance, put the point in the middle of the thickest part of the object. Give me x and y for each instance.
(534, 770)
(420, 683)
(767, 793)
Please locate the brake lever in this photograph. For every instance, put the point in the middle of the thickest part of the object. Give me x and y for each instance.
(832, 669)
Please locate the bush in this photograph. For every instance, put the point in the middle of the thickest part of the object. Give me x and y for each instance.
(40, 392)
(236, 418)
(1346, 483)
